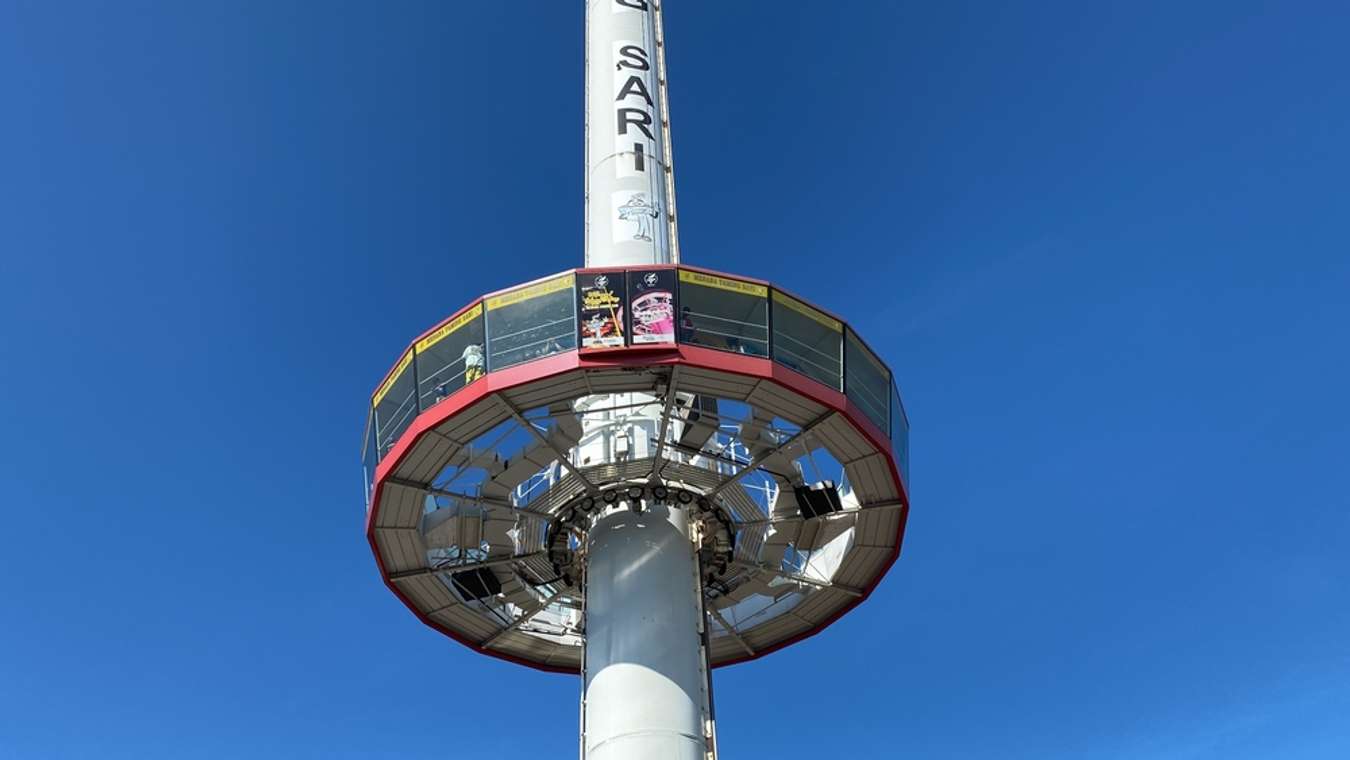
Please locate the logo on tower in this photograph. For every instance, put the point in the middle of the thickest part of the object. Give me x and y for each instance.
(640, 211)
(635, 123)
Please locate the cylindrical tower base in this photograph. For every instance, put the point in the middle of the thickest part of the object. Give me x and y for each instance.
(646, 680)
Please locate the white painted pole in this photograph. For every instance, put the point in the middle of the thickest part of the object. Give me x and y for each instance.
(630, 213)
(645, 683)
(646, 690)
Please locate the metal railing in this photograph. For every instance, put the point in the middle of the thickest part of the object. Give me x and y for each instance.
(863, 377)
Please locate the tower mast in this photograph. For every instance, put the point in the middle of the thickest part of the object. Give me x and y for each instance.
(630, 185)
(646, 687)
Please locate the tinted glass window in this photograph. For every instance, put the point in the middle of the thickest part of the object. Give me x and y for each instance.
(726, 314)
(867, 382)
(451, 357)
(395, 405)
(368, 454)
(900, 434)
(808, 341)
(530, 323)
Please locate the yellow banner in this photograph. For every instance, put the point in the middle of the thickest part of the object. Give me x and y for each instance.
(399, 369)
(807, 311)
(722, 283)
(447, 329)
(534, 291)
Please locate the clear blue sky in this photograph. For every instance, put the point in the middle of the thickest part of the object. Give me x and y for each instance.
(1103, 244)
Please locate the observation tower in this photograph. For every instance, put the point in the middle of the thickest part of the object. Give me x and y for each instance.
(639, 470)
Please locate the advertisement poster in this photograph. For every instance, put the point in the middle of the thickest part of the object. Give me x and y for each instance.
(652, 306)
(600, 311)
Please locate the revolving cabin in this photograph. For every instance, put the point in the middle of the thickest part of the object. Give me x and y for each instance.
(502, 436)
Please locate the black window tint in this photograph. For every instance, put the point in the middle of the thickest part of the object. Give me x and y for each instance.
(369, 455)
(450, 357)
(395, 405)
(808, 341)
(725, 314)
(530, 323)
(867, 382)
(900, 434)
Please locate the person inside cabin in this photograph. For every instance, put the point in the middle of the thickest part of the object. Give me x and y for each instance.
(686, 325)
(474, 366)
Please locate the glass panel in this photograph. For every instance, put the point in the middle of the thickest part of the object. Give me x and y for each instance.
(867, 383)
(600, 300)
(533, 322)
(651, 312)
(368, 454)
(730, 315)
(808, 341)
(395, 405)
(900, 434)
(450, 357)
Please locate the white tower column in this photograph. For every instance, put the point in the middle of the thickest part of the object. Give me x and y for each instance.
(646, 687)
(646, 684)
(630, 198)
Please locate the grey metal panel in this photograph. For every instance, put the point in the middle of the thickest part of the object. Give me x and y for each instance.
(871, 479)
(725, 648)
(566, 489)
(399, 549)
(565, 657)
(635, 469)
(861, 565)
(426, 592)
(547, 391)
(742, 507)
(612, 381)
(870, 524)
(791, 406)
(520, 468)
(400, 506)
(750, 543)
(697, 433)
(541, 455)
(539, 567)
(567, 422)
(697, 477)
(810, 534)
(523, 645)
(464, 620)
(819, 605)
(783, 533)
(843, 440)
(460, 457)
(474, 421)
(515, 592)
(773, 631)
(715, 384)
(425, 459)
(746, 585)
(878, 527)
(496, 531)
